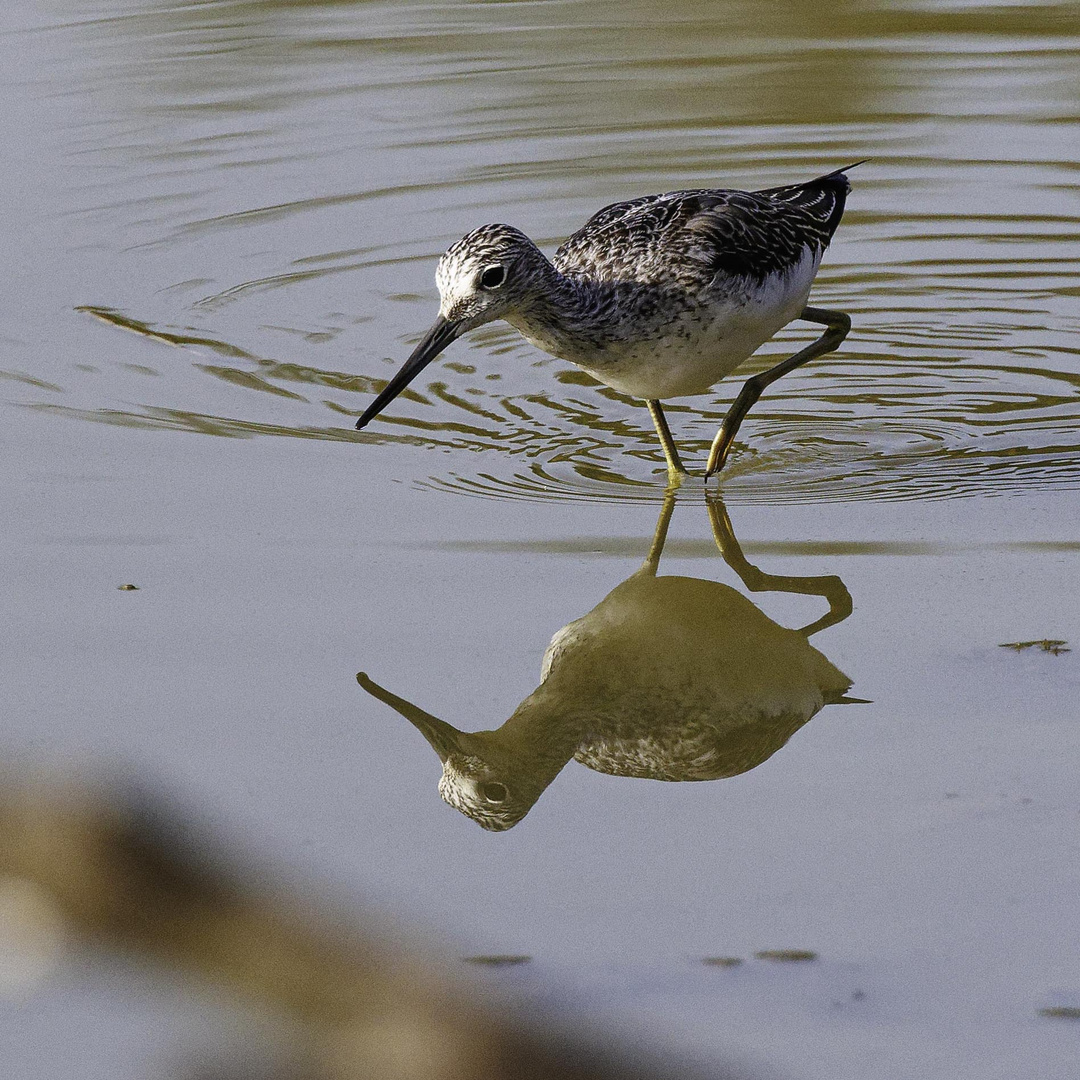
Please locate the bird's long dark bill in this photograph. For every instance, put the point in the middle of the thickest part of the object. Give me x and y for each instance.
(435, 340)
(443, 737)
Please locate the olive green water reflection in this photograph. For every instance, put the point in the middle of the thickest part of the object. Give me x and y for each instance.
(667, 678)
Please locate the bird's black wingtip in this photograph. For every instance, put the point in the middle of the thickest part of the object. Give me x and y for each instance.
(840, 176)
(838, 181)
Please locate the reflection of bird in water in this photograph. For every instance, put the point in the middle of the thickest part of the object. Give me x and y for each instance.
(669, 678)
(658, 297)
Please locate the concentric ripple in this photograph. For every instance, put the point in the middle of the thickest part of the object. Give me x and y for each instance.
(283, 178)
(858, 425)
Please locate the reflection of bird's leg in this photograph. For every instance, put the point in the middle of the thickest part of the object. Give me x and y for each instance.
(838, 326)
(827, 585)
(652, 560)
(675, 468)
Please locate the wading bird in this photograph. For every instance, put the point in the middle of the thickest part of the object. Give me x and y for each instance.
(657, 297)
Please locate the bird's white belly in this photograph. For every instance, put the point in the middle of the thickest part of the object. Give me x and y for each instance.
(689, 361)
(698, 347)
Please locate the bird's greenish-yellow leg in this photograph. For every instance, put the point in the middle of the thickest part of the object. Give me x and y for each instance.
(838, 326)
(675, 468)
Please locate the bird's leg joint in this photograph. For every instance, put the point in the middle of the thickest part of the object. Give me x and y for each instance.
(836, 323)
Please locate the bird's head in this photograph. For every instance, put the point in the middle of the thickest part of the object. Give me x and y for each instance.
(486, 275)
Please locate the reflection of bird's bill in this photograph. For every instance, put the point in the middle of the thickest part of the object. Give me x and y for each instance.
(433, 342)
(445, 739)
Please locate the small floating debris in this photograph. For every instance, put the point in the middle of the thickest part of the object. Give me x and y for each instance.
(1061, 1012)
(128, 588)
(786, 956)
(496, 960)
(1050, 645)
(722, 961)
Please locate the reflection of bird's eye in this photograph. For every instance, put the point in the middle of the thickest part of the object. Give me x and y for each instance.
(493, 792)
(493, 277)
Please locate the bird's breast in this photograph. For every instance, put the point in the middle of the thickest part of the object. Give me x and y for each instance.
(657, 344)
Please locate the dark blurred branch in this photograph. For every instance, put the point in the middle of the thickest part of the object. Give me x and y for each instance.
(126, 876)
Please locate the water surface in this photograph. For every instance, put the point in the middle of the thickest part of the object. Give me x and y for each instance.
(222, 220)
(268, 186)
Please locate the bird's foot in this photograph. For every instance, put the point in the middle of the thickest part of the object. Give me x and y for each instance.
(718, 454)
(675, 478)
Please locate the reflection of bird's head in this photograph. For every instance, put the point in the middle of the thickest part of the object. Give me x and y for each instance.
(488, 795)
(486, 774)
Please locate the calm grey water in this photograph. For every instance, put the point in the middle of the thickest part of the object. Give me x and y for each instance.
(259, 190)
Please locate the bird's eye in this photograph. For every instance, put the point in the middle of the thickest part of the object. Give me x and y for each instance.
(493, 276)
(493, 792)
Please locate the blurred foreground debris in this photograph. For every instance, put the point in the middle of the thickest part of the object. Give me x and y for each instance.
(121, 874)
